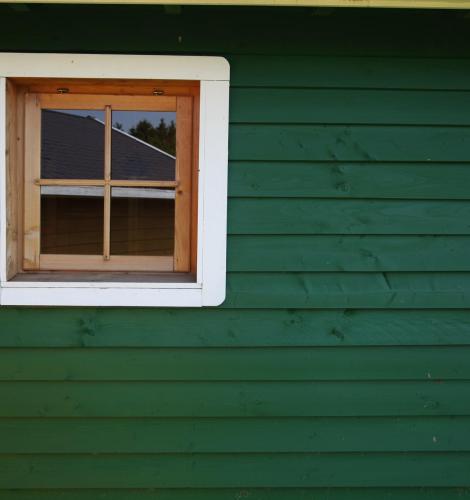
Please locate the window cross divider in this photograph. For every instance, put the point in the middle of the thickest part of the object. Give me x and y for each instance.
(103, 182)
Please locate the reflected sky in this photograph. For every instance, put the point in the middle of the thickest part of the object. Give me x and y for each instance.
(127, 119)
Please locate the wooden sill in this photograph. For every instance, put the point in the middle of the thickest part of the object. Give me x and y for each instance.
(105, 277)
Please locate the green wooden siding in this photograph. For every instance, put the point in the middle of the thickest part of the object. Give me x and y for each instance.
(338, 367)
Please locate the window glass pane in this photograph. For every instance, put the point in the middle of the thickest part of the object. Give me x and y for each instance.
(72, 144)
(142, 221)
(143, 145)
(72, 220)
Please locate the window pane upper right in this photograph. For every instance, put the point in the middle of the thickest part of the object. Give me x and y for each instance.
(143, 145)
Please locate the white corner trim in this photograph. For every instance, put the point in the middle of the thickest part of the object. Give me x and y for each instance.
(21, 64)
(209, 289)
(214, 123)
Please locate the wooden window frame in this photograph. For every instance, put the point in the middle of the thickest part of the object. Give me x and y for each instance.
(184, 237)
(175, 74)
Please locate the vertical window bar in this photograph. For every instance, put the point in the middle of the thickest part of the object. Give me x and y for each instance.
(32, 199)
(107, 186)
(184, 137)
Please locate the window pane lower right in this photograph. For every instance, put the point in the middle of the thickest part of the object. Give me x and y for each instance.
(142, 221)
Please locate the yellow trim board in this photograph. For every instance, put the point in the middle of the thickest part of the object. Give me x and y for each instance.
(399, 4)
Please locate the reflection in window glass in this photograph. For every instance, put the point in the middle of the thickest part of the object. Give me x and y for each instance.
(143, 145)
(72, 144)
(142, 221)
(71, 220)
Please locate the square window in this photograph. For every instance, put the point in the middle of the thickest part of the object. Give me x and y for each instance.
(112, 184)
(114, 180)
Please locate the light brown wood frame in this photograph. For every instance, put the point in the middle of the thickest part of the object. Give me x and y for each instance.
(14, 177)
(185, 183)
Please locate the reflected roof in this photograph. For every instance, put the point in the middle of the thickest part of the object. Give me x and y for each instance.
(73, 147)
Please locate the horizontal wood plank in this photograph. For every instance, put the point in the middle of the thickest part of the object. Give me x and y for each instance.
(234, 435)
(79, 327)
(287, 253)
(322, 106)
(349, 143)
(325, 216)
(349, 72)
(240, 470)
(417, 493)
(251, 493)
(349, 290)
(232, 364)
(233, 399)
(339, 179)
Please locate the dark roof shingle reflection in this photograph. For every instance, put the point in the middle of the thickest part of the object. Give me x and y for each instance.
(72, 147)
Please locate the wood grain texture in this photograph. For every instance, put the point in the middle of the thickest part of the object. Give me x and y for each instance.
(113, 87)
(352, 71)
(13, 208)
(79, 327)
(195, 181)
(349, 290)
(236, 470)
(355, 180)
(20, 173)
(127, 263)
(234, 435)
(332, 106)
(232, 364)
(32, 192)
(401, 493)
(288, 253)
(118, 102)
(102, 182)
(348, 143)
(105, 276)
(348, 217)
(183, 193)
(234, 399)
(108, 131)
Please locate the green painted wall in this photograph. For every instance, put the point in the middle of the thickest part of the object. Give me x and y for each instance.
(339, 366)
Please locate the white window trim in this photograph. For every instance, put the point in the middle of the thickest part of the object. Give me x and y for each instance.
(209, 288)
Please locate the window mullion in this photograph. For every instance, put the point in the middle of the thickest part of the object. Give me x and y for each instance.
(107, 184)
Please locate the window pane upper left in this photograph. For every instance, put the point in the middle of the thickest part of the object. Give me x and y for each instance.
(72, 144)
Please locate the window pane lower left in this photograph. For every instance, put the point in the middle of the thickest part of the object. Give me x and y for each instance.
(72, 220)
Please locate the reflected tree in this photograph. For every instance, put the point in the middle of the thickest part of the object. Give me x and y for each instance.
(162, 136)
